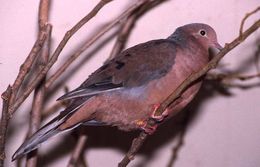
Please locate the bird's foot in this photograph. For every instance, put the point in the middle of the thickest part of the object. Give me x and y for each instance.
(149, 129)
(159, 118)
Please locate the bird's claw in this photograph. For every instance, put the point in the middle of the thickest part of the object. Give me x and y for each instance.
(144, 125)
(149, 129)
(159, 118)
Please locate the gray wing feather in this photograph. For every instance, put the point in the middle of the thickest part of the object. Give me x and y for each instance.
(134, 67)
(84, 92)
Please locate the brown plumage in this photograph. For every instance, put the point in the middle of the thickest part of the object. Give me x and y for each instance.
(125, 91)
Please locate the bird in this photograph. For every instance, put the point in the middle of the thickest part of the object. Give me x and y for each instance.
(126, 91)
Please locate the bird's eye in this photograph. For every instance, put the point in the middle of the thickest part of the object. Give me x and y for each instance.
(202, 32)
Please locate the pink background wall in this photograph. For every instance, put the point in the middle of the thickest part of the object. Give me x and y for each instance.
(225, 131)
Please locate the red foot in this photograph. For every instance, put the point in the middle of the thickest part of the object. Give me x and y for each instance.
(146, 127)
(149, 129)
(159, 118)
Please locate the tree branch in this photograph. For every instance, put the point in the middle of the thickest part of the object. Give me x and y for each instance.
(77, 150)
(55, 55)
(128, 25)
(54, 108)
(26, 66)
(39, 94)
(6, 96)
(135, 147)
(58, 50)
(222, 76)
(43, 15)
(125, 29)
(245, 18)
(23, 72)
(74, 56)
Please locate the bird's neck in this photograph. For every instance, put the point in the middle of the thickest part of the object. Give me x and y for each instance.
(178, 36)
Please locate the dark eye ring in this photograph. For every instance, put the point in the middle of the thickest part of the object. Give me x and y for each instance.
(202, 32)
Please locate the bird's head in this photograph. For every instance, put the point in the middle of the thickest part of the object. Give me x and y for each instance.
(198, 32)
(204, 34)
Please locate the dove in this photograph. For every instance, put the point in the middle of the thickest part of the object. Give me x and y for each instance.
(126, 91)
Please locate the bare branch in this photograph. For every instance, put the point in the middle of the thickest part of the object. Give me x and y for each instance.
(39, 94)
(91, 41)
(26, 66)
(136, 145)
(24, 70)
(43, 15)
(55, 55)
(54, 108)
(6, 96)
(128, 24)
(38, 101)
(257, 56)
(245, 18)
(180, 140)
(222, 76)
(77, 150)
(125, 29)
(177, 147)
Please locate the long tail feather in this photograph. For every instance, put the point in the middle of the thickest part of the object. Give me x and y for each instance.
(37, 138)
(47, 131)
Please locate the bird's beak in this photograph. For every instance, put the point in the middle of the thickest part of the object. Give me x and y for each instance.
(214, 49)
(218, 46)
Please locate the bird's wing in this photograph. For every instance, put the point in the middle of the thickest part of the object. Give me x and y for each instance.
(134, 67)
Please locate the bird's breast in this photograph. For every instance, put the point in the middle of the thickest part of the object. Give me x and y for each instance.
(125, 107)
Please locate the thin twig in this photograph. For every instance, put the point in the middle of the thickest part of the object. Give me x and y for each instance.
(39, 94)
(177, 147)
(43, 15)
(125, 29)
(55, 55)
(222, 76)
(6, 96)
(239, 85)
(180, 140)
(38, 100)
(227, 80)
(68, 35)
(54, 58)
(245, 18)
(257, 56)
(24, 70)
(177, 92)
(26, 66)
(54, 108)
(74, 56)
(82, 162)
(136, 145)
(127, 26)
(77, 150)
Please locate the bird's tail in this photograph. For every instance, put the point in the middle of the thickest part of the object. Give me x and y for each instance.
(37, 138)
(44, 133)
